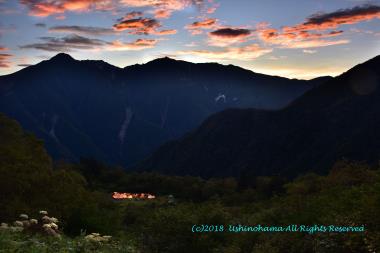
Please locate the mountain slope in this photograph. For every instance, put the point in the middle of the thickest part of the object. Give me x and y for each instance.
(94, 109)
(339, 119)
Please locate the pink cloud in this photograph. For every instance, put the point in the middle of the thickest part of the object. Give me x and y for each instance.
(195, 28)
(246, 53)
(139, 44)
(5, 60)
(332, 20)
(137, 25)
(44, 8)
(312, 33)
(161, 14)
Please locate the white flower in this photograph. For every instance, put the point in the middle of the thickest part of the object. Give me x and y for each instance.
(18, 223)
(46, 226)
(26, 223)
(4, 226)
(54, 226)
(53, 220)
(33, 221)
(45, 219)
(43, 212)
(107, 237)
(16, 229)
(24, 216)
(89, 236)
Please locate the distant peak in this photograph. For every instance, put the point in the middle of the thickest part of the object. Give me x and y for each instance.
(165, 59)
(62, 57)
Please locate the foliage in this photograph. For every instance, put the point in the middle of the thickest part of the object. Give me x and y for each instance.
(26, 243)
(80, 196)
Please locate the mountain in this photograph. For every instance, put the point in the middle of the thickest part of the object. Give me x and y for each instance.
(338, 119)
(93, 109)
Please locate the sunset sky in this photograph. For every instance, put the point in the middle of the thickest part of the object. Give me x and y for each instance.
(292, 38)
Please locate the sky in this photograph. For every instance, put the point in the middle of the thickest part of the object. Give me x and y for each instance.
(292, 38)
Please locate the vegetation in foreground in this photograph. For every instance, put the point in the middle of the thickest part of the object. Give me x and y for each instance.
(79, 196)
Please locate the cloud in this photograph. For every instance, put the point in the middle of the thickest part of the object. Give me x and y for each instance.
(211, 10)
(246, 53)
(277, 58)
(191, 44)
(4, 60)
(317, 43)
(139, 44)
(3, 48)
(133, 14)
(137, 25)
(165, 32)
(231, 32)
(163, 8)
(160, 14)
(207, 23)
(309, 51)
(42, 25)
(65, 44)
(162, 4)
(302, 39)
(75, 42)
(332, 20)
(84, 30)
(44, 8)
(141, 25)
(312, 33)
(228, 36)
(195, 27)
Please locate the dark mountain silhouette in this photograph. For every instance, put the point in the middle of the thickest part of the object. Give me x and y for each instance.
(93, 109)
(338, 119)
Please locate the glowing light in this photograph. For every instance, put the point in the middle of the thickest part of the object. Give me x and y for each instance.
(126, 195)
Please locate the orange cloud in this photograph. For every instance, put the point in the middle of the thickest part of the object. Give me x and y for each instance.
(141, 25)
(44, 8)
(139, 44)
(138, 25)
(133, 14)
(309, 34)
(246, 53)
(302, 39)
(4, 60)
(162, 14)
(207, 23)
(325, 21)
(161, 4)
(195, 27)
(211, 10)
(162, 8)
(166, 32)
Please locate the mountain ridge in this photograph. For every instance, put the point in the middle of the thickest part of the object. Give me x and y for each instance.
(93, 109)
(335, 120)
(65, 58)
